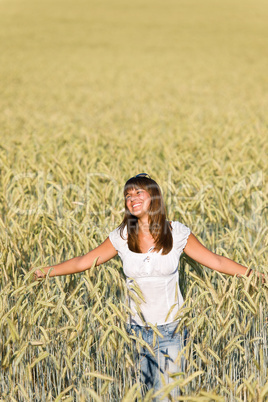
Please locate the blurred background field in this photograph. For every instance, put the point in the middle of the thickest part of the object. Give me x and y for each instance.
(93, 92)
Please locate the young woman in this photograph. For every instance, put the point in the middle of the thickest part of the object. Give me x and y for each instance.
(150, 247)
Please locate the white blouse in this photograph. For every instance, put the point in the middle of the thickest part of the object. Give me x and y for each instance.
(155, 274)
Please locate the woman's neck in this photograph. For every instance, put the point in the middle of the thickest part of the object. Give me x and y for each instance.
(144, 226)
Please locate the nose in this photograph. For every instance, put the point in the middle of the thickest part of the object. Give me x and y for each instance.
(133, 198)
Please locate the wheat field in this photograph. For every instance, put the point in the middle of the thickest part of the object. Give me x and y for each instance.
(93, 92)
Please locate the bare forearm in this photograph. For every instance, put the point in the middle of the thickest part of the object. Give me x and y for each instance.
(231, 267)
(195, 250)
(64, 268)
(97, 256)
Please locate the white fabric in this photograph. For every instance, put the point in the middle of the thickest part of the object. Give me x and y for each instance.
(155, 274)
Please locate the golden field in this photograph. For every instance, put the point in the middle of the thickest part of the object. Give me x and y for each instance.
(93, 92)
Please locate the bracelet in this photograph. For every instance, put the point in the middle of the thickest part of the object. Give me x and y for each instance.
(249, 273)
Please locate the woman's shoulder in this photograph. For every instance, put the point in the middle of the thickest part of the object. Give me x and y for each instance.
(178, 227)
(117, 232)
(180, 233)
(118, 237)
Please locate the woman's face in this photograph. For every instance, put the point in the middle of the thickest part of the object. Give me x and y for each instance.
(138, 202)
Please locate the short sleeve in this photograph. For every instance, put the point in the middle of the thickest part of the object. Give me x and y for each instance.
(180, 235)
(117, 240)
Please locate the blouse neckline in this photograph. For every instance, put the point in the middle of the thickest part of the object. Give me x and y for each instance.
(150, 249)
(147, 252)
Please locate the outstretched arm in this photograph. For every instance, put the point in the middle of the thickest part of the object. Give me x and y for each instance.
(195, 250)
(103, 253)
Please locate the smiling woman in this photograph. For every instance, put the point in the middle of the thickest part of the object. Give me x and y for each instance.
(145, 216)
(138, 201)
(150, 247)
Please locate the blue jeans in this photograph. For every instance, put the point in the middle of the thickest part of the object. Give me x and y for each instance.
(165, 349)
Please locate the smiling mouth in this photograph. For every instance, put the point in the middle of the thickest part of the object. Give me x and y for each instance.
(136, 205)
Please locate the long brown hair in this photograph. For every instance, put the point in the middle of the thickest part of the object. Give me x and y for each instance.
(159, 227)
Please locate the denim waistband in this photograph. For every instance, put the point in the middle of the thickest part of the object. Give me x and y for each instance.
(172, 324)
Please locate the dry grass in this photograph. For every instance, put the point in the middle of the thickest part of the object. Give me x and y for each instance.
(93, 92)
